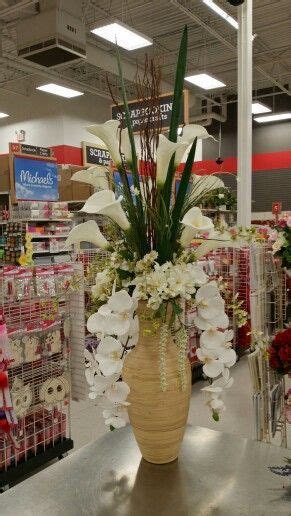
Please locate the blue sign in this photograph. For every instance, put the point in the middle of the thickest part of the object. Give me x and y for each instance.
(35, 180)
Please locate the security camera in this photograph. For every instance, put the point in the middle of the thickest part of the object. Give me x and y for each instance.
(235, 2)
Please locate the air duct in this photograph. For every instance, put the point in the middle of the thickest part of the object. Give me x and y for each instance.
(54, 36)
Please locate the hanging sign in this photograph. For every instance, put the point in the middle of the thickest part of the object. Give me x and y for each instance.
(276, 208)
(35, 179)
(32, 150)
(95, 154)
(142, 114)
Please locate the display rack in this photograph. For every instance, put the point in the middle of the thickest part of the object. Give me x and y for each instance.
(267, 314)
(38, 305)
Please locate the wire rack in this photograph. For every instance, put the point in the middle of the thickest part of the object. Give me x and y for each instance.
(39, 318)
(268, 304)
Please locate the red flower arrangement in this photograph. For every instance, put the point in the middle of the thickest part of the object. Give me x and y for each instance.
(280, 352)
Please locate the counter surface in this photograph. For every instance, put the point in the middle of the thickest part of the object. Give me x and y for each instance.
(216, 474)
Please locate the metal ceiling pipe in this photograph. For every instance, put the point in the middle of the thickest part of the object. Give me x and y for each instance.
(227, 43)
(20, 6)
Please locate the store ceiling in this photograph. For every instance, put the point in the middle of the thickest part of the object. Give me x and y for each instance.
(212, 45)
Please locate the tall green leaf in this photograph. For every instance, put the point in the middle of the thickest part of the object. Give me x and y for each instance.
(176, 110)
(182, 192)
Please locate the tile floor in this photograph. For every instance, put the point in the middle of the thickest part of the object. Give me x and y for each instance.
(88, 424)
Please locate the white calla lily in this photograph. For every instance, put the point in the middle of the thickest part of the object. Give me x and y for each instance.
(181, 151)
(192, 131)
(108, 133)
(165, 151)
(87, 232)
(95, 176)
(108, 355)
(125, 145)
(194, 222)
(105, 203)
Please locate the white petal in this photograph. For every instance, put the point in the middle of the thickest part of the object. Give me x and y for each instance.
(220, 321)
(92, 395)
(194, 219)
(228, 357)
(187, 236)
(104, 203)
(87, 232)
(109, 367)
(213, 369)
(225, 374)
(214, 307)
(107, 132)
(95, 176)
(116, 422)
(89, 376)
(212, 339)
(107, 346)
(207, 291)
(120, 302)
(228, 335)
(165, 151)
(118, 392)
(192, 131)
(96, 323)
(217, 404)
(214, 391)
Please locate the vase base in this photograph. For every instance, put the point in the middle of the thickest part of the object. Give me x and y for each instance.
(160, 463)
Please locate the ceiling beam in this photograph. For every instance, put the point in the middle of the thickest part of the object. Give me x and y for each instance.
(208, 28)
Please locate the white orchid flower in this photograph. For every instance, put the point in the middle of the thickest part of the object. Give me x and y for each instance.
(213, 398)
(212, 339)
(95, 176)
(108, 355)
(165, 151)
(213, 366)
(117, 392)
(87, 232)
(100, 385)
(104, 203)
(192, 131)
(115, 416)
(92, 367)
(209, 301)
(108, 133)
(194, 222)
(114, 317)
(220, 321)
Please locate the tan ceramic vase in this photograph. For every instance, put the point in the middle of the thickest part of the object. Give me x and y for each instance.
(158, 418)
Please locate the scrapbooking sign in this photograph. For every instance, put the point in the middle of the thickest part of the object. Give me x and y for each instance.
(35, 180)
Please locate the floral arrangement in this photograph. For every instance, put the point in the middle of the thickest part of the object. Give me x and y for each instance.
(280, 352)
(280, 237)
(220, 197)
(149, 260)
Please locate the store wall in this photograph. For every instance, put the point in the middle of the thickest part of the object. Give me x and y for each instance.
(271, 158)
(50, 121)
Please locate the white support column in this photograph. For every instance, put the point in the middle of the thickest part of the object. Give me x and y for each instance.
(244, 133)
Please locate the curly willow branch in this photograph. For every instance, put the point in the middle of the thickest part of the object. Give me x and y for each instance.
(181, 341)
(164, 335)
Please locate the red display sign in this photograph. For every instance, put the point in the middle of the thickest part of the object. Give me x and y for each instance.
(276, 208)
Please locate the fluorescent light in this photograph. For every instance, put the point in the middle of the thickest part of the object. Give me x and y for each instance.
(3, 115)
(55, 89)
(123, 36)
(205, 81)
(273, 118)
(221, 13)
(258, 108)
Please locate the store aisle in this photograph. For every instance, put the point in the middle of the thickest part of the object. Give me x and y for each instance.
(88, 423)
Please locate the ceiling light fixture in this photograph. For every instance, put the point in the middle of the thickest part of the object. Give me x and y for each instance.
(212, 5)
(62, 91)
(122, 35)
(258, 108)
(3, 115)
(273, 118)
(205, 81)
